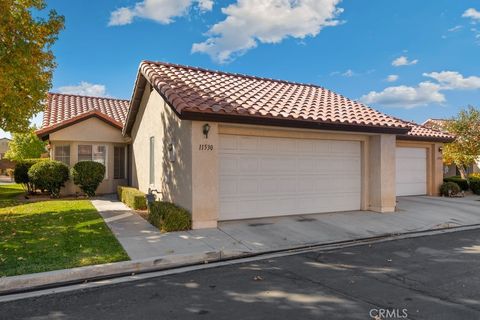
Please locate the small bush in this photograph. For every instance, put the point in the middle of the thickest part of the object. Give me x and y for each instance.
(132, 197)
(169, 217)
(475, 183)
(20, 173)
(88, 175)
(49, 175)
(462, 183)
(448, 189)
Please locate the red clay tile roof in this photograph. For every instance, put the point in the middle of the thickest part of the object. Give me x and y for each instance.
(199, 93)
(65, 109)
(421, 132)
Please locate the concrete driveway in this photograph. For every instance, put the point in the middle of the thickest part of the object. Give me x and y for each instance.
(233, 238)
(413, 214)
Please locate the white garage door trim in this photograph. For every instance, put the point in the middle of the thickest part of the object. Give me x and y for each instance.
(266, 176)
(411, 171)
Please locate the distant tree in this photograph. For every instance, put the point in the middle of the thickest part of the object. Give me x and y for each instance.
(25, 146)
(26, 60)
(465, 150)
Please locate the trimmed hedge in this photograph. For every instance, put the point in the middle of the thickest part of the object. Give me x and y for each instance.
(169, 217)
(132, 197)
(88, 175)
(475, 183)
(20, 173)
(462, 183)
(49, 175)
(448, 189)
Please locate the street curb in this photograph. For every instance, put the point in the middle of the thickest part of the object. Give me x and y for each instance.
(53, 279)
(28, 282)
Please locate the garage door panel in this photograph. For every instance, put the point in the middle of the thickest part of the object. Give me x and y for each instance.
(279, 176)
(411, 171)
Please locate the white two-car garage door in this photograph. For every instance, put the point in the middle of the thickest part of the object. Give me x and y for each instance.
(264, 176)
(411, 171)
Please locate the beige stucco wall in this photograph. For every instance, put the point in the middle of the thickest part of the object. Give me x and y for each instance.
(90, 131)
(381, 177)
(435, 168)
(173, 177)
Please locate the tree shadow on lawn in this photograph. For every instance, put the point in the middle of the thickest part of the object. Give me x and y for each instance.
(50, 235)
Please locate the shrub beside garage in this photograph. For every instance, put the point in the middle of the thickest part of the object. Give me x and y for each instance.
(132, 197)
(169, 217)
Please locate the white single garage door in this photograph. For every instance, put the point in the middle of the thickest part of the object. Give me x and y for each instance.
(411, 171)
(264, 177)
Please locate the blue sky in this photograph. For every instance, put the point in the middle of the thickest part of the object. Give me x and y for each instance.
(412, 59)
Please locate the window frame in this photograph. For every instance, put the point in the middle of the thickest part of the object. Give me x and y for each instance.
(55, 155)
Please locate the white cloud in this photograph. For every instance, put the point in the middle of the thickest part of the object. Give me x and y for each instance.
(349, 73)
(392, 78)
(249, 22)
(403, 61)
(451, 80)
(472, 14)
(425, 93)
(85, 89)
(205, 5)
(161, 11)
(405, 96)
(455, 29)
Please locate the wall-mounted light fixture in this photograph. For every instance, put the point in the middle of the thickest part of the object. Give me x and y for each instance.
(206, 129)
(440, 149)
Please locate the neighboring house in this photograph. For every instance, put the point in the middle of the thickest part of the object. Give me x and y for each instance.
(3, 147)
(450, 170)
(87, 128)
(229, 146)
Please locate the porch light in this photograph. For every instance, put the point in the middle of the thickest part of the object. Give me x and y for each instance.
(206, 129)
(440, 149)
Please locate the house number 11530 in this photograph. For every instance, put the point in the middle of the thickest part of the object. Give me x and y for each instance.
(205, 147)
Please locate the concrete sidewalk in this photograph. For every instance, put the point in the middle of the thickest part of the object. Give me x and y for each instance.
(141, 240)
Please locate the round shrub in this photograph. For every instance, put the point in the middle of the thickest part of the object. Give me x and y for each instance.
(20, 173)
(88, 175)
(448, 189)
(49, 175)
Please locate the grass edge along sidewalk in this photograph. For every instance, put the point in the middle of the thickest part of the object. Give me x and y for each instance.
(52, 234)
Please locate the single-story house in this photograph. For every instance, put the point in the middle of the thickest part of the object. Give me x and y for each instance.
(450, 170)
(87, 128)
(230, 146)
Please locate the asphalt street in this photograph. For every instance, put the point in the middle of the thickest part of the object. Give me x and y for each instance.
(433, 277)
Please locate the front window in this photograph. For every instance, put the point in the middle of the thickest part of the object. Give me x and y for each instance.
(97, 153)
(62, 154)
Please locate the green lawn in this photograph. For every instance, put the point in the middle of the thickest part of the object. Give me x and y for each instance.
(50, 235)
